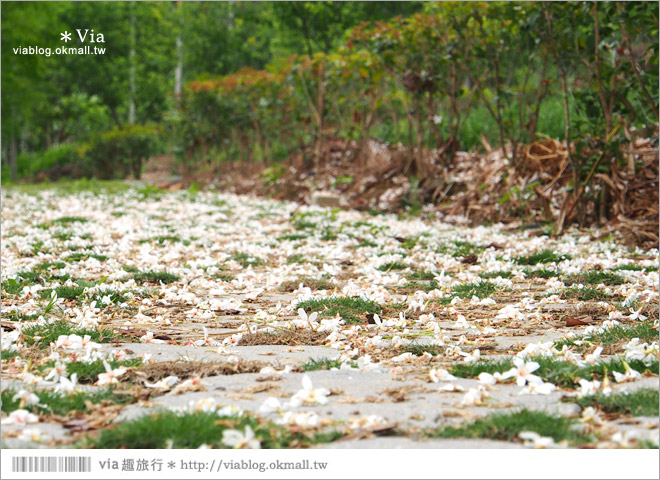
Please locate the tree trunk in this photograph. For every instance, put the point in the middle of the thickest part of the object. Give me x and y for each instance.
(567, 138)
(12, 158)
(178, 71)
(24, 137)
(320, 98)
(137, 168)
(131, 56)
(419, 160)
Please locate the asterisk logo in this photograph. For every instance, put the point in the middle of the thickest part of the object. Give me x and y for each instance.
(66, 36)
(171, 464)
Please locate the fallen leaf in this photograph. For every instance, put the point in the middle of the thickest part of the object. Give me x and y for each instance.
(574, 322)
(264, 387)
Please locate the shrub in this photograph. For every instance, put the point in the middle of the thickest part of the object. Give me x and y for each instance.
(62, 160)
(121, 150)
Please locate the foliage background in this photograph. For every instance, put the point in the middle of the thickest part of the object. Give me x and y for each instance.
(212, 82)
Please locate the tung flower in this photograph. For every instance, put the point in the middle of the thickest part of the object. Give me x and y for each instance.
(236, 439)
(308, 394)
(440, 375)
(20, 417)
(110, 376)
(523, 372)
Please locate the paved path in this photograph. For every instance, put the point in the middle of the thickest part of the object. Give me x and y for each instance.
(243, 265)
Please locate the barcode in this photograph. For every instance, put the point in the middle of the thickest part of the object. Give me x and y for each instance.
(51, 464)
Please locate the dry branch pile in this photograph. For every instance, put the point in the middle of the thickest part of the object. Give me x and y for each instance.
(481, 187)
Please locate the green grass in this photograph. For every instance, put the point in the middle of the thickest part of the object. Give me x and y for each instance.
(419, 350)
(60, 278)
(78, 256)
(366, 243)
(633, 267)
(507, 427)
(496, 274)
(320, 364)
(351, 309)
(68, 293)
(169, 429)
(115, 297)
(647, 444)
(225, 277)
(328, 234)
(72, 186)
(6, 355)
(297, 258)
(292, 236)
(29, 277)
(246, 260)
(541, 273)
(43, 266)
(640, 403)
(154, 277)
(409, 243)
(636, 268)
(644, 331)
(305, 225)
(163, 239)
(595, 277)
(362, 223)
(421, 275)
(70, 220)
(32, 278)
(559, 372)
(63, 404)
(15, 287)
(14, 316)
(386, 267)
(585, 294)
(463, 249)
(313, 283)
(472, 370)
(544, 256)
(427, 287)
(89, 372)
(150, 192)
(43, 335)
(480, 289)
(43, 272)
(62, 236)
(38, 246)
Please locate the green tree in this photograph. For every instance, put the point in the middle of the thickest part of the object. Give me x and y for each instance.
(25, 84)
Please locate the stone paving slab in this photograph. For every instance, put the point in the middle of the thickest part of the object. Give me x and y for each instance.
(274, 354)
(360, 393)
(55, 431)
(438, 443)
